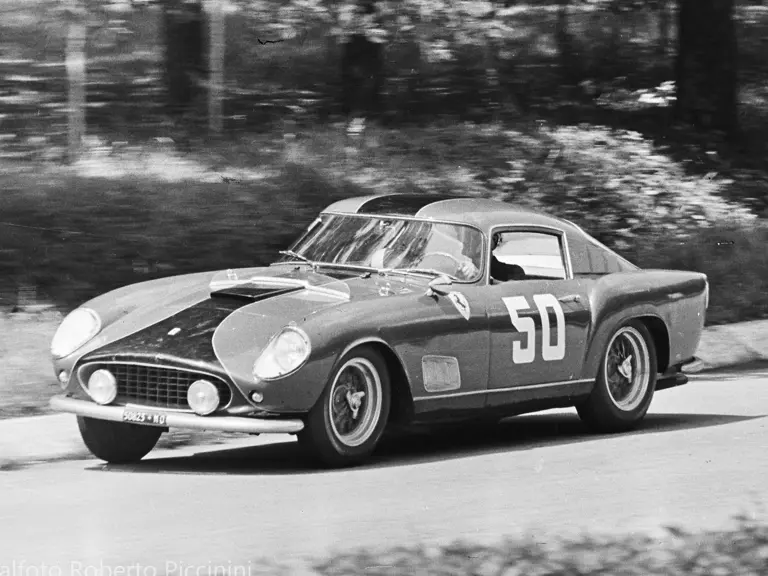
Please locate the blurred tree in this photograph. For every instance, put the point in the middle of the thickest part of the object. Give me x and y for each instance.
(663, 9)
(185, 52)
(362, 60)
(706, 65)
(76, 14)
(362, 65)
(217, 44)
(569, 62)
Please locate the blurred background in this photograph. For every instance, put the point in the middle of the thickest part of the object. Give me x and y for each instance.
(143, 138)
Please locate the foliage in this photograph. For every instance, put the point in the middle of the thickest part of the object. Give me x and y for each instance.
(742, 551)
(733, 258)
(139, 228)
(650, 193)
(476, 101)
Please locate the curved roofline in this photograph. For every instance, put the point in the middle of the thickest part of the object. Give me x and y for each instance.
(485, 214)
(482, 212)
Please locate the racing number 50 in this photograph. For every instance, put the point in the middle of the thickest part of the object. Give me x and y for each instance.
(549, 351)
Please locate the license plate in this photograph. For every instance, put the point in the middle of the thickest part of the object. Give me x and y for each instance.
(142, 417)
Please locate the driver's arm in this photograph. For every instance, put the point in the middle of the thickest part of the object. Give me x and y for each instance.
(467, 270)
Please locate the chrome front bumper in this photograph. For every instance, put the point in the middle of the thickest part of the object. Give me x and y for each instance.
(180, 419)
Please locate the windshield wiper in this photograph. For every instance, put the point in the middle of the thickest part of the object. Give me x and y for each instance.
(429, 271)
(298, 256)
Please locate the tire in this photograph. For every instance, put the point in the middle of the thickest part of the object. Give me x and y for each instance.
(622, 394)
(336, 435)
(117, 442)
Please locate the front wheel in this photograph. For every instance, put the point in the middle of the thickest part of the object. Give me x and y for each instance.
(117, 442)
(345, 425)
(625, 383)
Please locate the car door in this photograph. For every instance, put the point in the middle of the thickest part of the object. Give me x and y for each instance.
(443, 343)
(538, 322)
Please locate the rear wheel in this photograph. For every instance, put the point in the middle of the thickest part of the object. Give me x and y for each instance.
(347, 422)
(625, 383)
(117, 442)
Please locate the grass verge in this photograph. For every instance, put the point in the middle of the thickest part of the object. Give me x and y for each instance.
(741, 551)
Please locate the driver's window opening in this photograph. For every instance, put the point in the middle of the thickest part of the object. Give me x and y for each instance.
(524, 255)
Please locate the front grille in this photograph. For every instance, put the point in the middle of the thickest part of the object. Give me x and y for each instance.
(158, 387)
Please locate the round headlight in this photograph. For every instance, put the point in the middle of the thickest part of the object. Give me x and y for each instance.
(203, 397)
(75, 330)
(102, 386)
(284, 354)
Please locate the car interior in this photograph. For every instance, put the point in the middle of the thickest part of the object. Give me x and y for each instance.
(513, 251)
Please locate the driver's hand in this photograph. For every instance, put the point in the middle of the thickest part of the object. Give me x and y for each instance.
(467, 270)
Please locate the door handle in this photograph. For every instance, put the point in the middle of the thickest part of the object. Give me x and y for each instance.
(570, 298)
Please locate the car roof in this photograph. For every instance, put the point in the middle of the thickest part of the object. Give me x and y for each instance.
(483, 213)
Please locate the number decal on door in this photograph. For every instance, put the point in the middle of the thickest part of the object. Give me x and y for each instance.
(549, 352)
(520, 354)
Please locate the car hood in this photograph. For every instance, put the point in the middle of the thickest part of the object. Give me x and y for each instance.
(224, 319)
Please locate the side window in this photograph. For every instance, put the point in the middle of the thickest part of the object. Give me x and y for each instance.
(540, 255)
(591, 258)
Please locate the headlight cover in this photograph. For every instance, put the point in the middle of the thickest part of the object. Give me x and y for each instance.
(76, 329)
(284, 354)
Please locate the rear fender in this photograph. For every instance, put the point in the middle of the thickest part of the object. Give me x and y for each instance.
(675, 298)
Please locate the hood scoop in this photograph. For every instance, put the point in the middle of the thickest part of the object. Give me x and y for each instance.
(253, 292)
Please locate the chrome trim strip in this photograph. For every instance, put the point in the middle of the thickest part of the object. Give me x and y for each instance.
(497, 390)
(534, 228)
(414, 218)
(325, 265)
(181, 420)
(163, 367)
(134, 406)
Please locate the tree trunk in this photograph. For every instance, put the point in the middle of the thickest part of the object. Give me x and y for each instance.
(362, 67)
(663, 18)
(570, 63)
(216, 46)
(76, 70)
(706, 65)
(563, 38)
(185, 50)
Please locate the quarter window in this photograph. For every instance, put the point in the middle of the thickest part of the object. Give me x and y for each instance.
(539, 254)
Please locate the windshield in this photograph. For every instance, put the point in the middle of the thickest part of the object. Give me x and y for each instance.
(393, 243)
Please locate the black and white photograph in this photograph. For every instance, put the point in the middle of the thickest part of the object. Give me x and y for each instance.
(383, 287)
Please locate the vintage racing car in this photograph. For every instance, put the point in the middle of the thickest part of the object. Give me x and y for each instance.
(389, 310)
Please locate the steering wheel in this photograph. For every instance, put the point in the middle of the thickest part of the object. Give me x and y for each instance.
(455, 263)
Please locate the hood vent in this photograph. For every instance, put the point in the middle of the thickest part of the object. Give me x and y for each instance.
(254, 292)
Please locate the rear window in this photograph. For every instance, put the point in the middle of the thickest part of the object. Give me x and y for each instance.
(589, 257)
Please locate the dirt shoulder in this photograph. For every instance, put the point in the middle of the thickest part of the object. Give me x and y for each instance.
(26, 376)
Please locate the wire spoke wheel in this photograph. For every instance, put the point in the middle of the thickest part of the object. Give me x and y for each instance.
(354, 409)
(627, 368)
(346, 423)
(625, 382)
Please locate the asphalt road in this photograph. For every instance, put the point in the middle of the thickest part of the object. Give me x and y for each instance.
(699, 459)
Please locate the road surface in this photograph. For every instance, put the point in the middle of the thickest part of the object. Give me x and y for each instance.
(699, 459)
